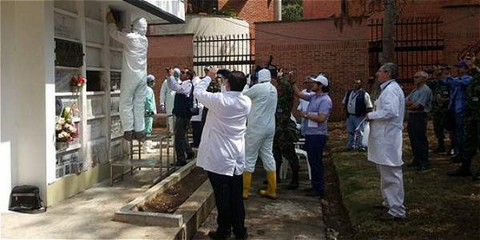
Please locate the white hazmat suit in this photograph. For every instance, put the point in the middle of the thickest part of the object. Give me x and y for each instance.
(261, 123)
(134, 75)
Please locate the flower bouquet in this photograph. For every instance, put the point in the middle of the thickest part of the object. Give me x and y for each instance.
(77, 82)
(65, 130)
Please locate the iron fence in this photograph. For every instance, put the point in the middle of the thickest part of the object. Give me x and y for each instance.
(234, 52)
(419, 44)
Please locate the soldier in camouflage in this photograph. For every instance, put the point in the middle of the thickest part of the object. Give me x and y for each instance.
(286, 132)
(472, 119)
(441, 95)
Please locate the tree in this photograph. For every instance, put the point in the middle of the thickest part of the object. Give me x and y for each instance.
(292, 12)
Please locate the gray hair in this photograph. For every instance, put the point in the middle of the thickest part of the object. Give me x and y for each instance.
(392, 69)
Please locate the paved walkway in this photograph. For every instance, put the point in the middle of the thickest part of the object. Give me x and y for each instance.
(88, 215)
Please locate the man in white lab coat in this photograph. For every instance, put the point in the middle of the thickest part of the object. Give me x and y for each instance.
(386, 140)
(134, 76)
(222, 150)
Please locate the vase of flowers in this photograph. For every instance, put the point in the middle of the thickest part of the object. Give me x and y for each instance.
(65, 130)
(77, 82)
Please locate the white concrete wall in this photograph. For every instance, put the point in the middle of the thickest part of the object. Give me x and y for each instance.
(27, 88)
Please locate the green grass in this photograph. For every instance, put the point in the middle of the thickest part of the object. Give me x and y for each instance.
(438, 206)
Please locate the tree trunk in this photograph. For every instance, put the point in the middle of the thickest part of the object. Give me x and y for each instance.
(389, 32)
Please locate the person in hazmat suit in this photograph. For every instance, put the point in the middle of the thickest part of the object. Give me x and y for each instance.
(134, 76)
(167, 96)
(260, 133)
(150, 110)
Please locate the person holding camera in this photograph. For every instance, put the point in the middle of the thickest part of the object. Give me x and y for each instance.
(316, 129)
(182, 114)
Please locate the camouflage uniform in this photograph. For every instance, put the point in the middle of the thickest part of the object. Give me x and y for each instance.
(472, 120)
(441, 94)
(286, 132)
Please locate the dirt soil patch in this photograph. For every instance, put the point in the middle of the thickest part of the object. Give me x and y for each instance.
(169, 200)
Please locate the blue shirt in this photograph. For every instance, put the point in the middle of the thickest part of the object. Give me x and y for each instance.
(319, 104)
(458, 94)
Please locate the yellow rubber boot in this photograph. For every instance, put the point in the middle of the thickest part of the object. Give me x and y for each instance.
(247, 182)
(271, 191)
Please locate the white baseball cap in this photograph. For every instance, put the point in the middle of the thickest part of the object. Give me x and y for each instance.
(320, 79)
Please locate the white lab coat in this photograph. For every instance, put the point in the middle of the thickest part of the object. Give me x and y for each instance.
(167, 96)
(261, 125)
(134, 78)
(222, 149)
(196, 103)
(386, 138)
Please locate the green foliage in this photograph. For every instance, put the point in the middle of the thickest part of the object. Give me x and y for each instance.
(292, 12)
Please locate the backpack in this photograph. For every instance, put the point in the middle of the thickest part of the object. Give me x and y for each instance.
(26, 199)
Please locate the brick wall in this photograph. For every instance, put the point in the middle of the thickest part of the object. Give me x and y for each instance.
(313, 46)
(168, 51)
(461, 29)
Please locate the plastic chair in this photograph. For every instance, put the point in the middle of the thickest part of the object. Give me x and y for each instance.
(284, 167)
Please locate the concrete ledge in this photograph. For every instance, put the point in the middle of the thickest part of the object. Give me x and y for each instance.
(188, 217)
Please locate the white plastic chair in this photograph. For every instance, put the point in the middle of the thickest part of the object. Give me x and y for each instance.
(284, 167)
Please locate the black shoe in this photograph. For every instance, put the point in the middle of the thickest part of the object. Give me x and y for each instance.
(140, 136)
(460, 172)
(190, 156)
(440, 149)
(128, 135)
(244, 237)
(412, 165)
(216, 236)
(308, 189)
(456, 159)
(422, 169)
(180, 163)
(313, 193)
(388, 217)
(292, 186)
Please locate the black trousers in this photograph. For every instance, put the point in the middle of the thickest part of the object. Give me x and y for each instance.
(417, 132)
(197, 128)
(182, 146)
(229, 201)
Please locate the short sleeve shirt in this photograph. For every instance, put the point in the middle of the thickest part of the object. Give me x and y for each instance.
(319, 104)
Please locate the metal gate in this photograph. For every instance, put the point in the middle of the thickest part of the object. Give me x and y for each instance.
(419, 44)
(233, 52)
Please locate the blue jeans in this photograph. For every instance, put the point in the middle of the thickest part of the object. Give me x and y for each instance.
(352, 123)
(314, 145)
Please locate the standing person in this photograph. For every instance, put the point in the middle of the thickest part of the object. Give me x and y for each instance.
(222, 151)
(441, 94)
(167, 96)
(357, 104)
(418, 104)
(181, 111)
(286, 132)
(134, 76)
(196, 121)
(150, 110)
(303, 105)
(260, 133)
(386, 140)
(457, 106)
(472, 120)
(316, 130)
